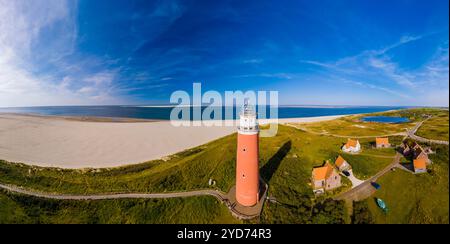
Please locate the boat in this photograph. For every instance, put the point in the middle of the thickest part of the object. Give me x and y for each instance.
(381, 204)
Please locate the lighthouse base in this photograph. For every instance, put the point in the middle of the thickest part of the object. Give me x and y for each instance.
(244, 212)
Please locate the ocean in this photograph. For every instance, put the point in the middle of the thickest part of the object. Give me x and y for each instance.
(163, 112)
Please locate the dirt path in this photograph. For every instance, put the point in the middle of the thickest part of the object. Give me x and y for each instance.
(217, 194)
(239, 212)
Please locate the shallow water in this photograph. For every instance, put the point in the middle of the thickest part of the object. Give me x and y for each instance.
(385, 119)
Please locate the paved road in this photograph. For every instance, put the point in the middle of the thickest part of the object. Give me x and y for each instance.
(412, 134)
(421, 139)
(365, 189)
(355, 181)
(416, 127)
(217, 194)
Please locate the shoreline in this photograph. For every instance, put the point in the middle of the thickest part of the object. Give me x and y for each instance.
(106, 119)
(83, 118)
(78, 143)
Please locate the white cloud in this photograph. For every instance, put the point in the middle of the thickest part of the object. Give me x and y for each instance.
(101, 78)
(45, 31)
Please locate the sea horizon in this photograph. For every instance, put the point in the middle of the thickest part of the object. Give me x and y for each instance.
(162, 112)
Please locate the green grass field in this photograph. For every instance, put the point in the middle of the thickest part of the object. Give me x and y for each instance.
(353, 126)
(422, 198)
(286, 162)
(292, 152)
(23, 209)
(436, 128)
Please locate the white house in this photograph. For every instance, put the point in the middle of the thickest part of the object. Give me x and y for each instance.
(352, 146)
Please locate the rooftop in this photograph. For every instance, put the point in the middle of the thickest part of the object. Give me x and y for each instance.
(339, 161)
(351, 143)
(322, 173)
(420, 163)
(382, 140)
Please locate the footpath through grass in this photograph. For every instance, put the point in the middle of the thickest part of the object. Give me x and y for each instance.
(16, 208)
(286, 162)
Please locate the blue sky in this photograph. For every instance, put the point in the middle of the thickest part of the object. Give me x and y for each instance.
(58, 52)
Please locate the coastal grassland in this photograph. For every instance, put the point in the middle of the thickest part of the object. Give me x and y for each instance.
(16, 208)
(354, 126)
(436, 128)
(413, 114)
(190, 169)
(421, 198)
(286, 162)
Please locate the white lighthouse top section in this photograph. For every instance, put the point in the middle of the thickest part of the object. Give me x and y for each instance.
(248, 124)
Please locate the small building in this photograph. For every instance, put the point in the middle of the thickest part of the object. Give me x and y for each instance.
(341, 164)
(406, 150)
(352, 146)
(325, 178)
(382, 142)
(419, 153)
(420, 165)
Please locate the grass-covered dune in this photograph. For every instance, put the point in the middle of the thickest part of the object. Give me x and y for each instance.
(353, 126)
(286, 162)
(436, 128)
(16, 208)
(288, 157)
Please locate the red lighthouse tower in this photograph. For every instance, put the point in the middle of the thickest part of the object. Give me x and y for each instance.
(247, 167)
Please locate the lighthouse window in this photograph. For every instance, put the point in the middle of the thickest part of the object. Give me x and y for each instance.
(243, 176)
(244, 149)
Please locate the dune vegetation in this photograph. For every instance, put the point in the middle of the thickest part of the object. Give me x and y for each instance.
(286, 162)
(436, 127)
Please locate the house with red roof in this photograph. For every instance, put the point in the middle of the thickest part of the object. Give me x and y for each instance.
(420, 165)
(342, 164)
(325, 178)
(382, 142)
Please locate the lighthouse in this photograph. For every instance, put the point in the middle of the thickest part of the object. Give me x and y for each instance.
(247, 168)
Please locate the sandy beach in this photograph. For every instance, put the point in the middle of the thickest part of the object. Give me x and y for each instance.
(99, 143)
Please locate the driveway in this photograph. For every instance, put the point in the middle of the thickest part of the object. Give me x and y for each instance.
(365, 189)
(355, 181)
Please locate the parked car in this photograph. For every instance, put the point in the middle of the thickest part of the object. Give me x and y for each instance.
(375, 185)
(346, 173)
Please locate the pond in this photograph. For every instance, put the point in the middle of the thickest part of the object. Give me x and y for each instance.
(385, 119)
